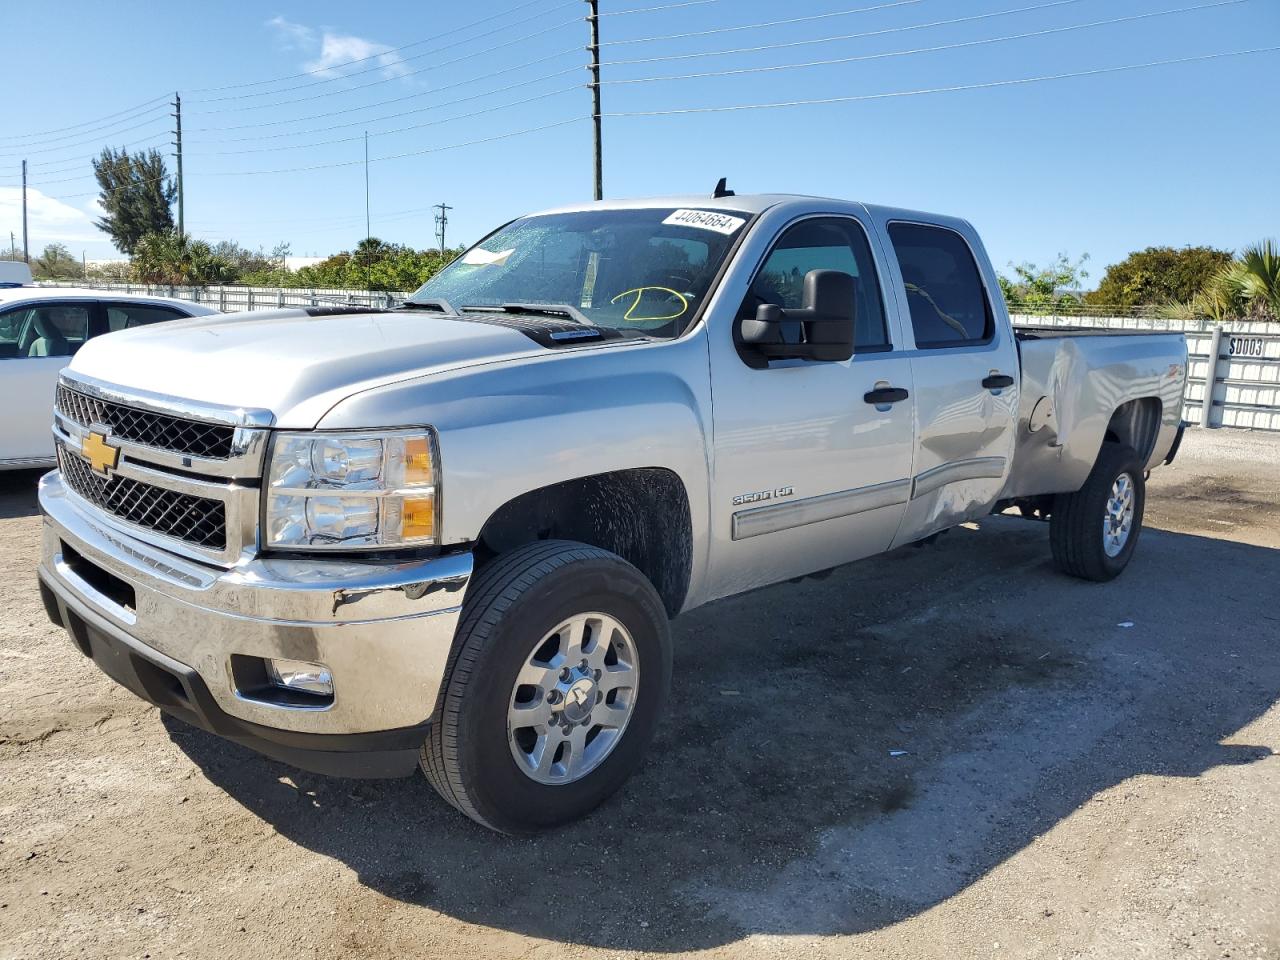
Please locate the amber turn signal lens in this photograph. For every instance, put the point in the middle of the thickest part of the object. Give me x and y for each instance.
(418, 518)
(418, 468)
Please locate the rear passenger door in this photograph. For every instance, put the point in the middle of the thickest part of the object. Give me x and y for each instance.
(964, 364)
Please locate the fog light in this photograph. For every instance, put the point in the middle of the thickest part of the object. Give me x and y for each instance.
(301, 676)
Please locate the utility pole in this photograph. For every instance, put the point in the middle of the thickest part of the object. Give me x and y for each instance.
(442, 221)
(26, 252)
(368, 230)
(13, 247)
(177, 142)
(593, 19)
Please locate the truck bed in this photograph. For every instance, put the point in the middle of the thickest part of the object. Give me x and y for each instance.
(1073, 380)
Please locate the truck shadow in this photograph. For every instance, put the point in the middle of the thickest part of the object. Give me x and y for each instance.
(18, 493)
(776, 798)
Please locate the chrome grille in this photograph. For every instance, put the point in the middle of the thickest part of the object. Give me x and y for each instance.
(159, 430)
(196, 520)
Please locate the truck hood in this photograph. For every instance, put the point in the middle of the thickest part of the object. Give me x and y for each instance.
(296, 366)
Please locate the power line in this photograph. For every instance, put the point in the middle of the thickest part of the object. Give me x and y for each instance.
(402, 156)
(73, 146)
(769, 23)
(349, 163)
(665, 6)
(106, 129)
(383, 53)
(392, 116)
(383, 67)
(834, 39)
(951, 89)
(946, 46)
(383, 133)
(41, 133)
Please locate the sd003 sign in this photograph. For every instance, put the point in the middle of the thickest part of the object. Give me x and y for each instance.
(1247, 347)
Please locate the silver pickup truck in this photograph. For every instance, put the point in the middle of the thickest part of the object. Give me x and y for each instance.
(453, 534)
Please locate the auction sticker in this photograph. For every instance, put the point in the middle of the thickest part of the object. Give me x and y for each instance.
(705, 220)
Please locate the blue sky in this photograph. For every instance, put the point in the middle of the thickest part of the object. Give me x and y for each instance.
(1105, 164)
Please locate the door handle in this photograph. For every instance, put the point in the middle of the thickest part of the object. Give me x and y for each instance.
(997, 380)
(883, 395)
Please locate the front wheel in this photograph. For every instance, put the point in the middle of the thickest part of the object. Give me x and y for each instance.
(554, 687)
(1093, 532)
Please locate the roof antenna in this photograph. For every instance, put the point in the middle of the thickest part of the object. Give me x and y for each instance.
(722, 189)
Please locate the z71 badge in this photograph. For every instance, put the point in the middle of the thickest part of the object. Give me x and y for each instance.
(761, 495)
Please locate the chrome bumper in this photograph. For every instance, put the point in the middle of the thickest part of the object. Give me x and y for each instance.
(383, 629)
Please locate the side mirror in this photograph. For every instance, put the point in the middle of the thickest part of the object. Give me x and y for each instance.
(822, 329)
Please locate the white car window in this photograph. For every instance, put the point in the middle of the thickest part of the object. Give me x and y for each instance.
(124, 316)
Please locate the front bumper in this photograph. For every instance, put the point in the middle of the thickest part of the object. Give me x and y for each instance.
(167, 629)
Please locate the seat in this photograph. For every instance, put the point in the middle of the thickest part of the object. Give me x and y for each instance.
(49, 341)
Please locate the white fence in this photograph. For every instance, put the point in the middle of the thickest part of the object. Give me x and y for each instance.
(1246, 375)
(232, 299)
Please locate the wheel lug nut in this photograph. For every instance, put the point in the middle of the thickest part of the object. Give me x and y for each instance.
(566, 674)
(599, 674)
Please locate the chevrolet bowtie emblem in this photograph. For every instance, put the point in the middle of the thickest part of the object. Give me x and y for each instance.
(101, 456)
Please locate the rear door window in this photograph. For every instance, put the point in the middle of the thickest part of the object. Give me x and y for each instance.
(948, 304)
(125, 316)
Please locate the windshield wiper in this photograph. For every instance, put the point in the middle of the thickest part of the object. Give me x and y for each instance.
(540, 309)
(435, 303)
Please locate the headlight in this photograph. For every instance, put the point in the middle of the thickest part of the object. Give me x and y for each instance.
(351, 491)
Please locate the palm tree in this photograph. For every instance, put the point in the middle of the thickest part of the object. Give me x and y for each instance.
(171, 257)
(1261, 266)
(1247, 288)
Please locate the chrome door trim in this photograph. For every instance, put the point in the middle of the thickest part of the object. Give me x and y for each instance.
(828, 506)
(979, 468)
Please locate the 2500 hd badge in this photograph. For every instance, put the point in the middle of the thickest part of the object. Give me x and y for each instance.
(762, 495)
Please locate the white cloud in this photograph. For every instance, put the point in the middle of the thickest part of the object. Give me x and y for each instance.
(331, 51)
(48, 219)
(292, 35)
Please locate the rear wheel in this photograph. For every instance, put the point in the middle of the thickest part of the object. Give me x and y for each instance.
(556, 681)
(1093, 532)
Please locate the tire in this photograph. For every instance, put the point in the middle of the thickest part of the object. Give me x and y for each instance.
(1078, 525)
(515, 603)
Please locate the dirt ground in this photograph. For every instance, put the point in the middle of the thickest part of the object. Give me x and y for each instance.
(1090, 771)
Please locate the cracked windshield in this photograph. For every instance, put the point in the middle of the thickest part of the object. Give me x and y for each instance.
(646, 271)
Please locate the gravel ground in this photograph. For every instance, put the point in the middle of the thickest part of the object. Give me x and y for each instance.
(1073, 786)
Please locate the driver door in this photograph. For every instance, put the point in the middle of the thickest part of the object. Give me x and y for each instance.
(809, 472)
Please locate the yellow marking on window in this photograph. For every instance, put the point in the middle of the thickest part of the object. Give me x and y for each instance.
(639, 295)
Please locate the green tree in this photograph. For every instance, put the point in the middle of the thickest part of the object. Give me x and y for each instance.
(137, 195)
(171, 257)
(373, 265)
(55, 263)
(1045, 290)
(1247, 288)
(1157, 276)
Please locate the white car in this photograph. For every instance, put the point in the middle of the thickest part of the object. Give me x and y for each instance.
(41, 328)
